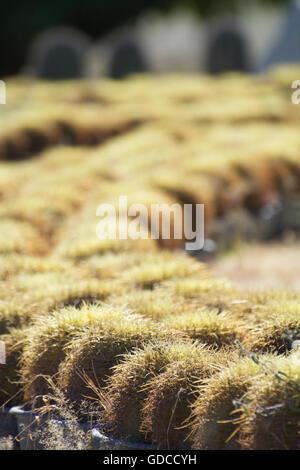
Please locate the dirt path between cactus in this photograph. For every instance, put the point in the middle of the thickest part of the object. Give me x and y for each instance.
(262, 266)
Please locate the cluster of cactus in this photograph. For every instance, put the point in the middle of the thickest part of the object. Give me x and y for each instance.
(143, 336)
(175, 365)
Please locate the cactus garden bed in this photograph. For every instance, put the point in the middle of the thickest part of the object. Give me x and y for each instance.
(136, 338)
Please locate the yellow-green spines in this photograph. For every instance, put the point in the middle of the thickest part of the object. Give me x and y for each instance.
(271, 407)
(208, 326)
(126, 391)
(48, 339)
(170, 394)
(83, 309)
(98, 349)
(212, 426)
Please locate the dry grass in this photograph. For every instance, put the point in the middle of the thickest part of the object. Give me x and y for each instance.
(11, 392)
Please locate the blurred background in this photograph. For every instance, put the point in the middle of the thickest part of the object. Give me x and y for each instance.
(254, 120)
(70, 38)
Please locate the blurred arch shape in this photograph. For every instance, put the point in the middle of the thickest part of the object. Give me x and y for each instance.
(227, 49)
(127, 57)
(58, 54)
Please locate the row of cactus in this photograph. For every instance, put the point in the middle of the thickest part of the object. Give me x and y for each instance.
(146, 339)
(187, 361)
